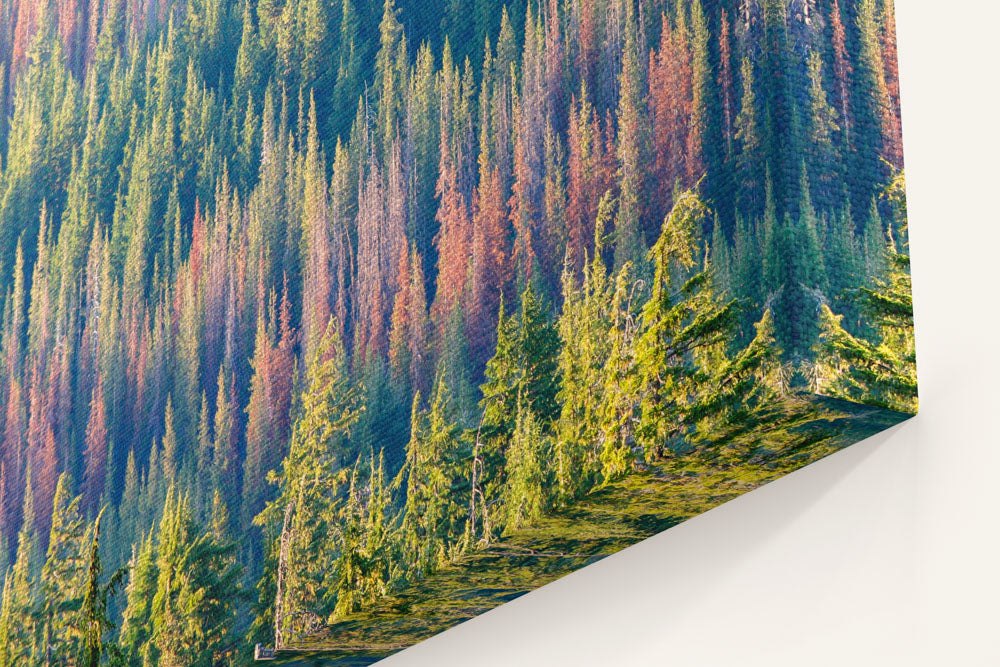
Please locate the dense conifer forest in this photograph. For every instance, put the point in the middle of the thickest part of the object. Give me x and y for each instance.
(303, 300)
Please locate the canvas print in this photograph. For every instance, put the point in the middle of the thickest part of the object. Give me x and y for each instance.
(330, 324)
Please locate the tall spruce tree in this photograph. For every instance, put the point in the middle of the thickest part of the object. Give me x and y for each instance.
(93, 621)
(780, 128)
(436, 485)
(617, 412)
(749, 134)
(584, 330)
(366, 549)
(63, 577)
(193, 607)
(682, 322)
(310, 489)
(135, 636)
(527, 476)
(871, 106)
(525, 363)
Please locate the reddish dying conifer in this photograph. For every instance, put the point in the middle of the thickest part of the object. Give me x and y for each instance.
(215, 288)
(95, 454)
(42, 452)
(316, 288)
(453, 238)
(586, 57)
(554, 94)
(841, 71)
(12, 454)
(62, 389)
(670, 94)
(893, 140)
(198, 233)
(525, 203)
(399, 322)
(522, 213)
(490, 269)
(25, 26)
(70, 31)
(370, 298)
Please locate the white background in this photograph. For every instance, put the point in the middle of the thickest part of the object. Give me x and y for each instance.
(884, 554)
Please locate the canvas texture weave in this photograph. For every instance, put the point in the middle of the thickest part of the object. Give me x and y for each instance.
(328, 324)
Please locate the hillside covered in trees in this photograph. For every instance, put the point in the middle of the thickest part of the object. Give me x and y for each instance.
(305, 300)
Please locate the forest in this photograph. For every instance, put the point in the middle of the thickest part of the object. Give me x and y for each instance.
(305, 301)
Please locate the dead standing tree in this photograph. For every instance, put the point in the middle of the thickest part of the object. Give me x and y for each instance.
(284, 547)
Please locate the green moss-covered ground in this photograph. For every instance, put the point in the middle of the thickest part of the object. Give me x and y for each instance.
(605, 521)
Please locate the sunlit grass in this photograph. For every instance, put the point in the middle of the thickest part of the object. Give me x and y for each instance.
(603, 522)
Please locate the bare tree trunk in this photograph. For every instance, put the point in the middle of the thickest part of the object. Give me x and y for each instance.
(279, 595)
(477, 469)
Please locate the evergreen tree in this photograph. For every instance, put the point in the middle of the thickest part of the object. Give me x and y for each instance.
(96, 452)
(873, 246)
(202, 460)
(617, 413)
(872, 109)
(880, 370)
(436, 485)
(843, 260)
(171, 454)
(63, 576)
(630, 243)
(310, 489)
(364, 567)
(705, 143)
(135, 637)
(780, 128)
(726, 95)
(822, 152)
(224, 452)
(590, 171)
(17, 642)
(197, 588)
(741, 390)
(524, 367)
(527, 474)
(719, 260)
(347, 59)
(390, 73)
(683, 324)
(584, 330)
(749, 135)
(94, 621)
(794, 275)
(128, 524)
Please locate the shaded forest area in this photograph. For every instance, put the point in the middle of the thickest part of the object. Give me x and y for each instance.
(303, 300)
